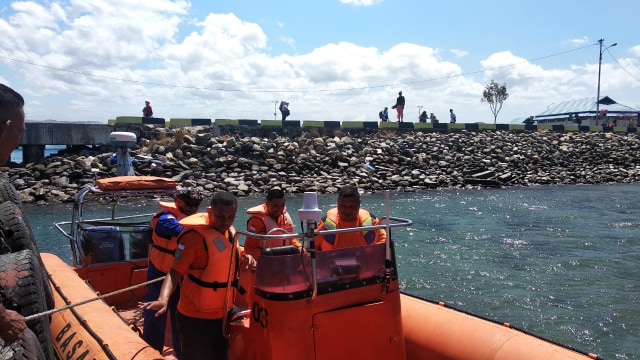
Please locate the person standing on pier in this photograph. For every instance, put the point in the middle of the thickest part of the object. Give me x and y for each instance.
(399, 106)
(147, 111)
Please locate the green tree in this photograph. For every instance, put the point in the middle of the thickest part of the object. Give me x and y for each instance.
(495, 95)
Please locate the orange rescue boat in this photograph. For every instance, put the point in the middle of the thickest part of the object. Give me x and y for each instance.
(338, 304)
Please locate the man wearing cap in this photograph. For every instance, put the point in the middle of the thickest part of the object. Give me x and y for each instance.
(165, 231)
(204, 263)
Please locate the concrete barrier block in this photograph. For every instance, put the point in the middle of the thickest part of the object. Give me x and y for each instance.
(178, 122)
(226, 122)
(370, 124)
(248, 122)
(313, 123)
(158, 122)
(487, 126)
(128, 120)
(352, 125)
(423, 126)
(274, 123)
(389, 125)
(332, 124)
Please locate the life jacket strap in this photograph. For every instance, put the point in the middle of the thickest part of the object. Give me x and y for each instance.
(212, 285)
(164, 250)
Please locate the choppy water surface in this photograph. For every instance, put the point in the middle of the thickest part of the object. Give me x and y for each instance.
(561, 262)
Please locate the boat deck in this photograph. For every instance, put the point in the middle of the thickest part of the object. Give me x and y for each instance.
(133, 317)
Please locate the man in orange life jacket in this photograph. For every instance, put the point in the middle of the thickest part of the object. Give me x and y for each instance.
(164, 236)
(262, 220)
(202, 261)
(266, 217)
(348, 214)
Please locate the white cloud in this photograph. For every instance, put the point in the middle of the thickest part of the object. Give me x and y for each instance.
(579, 42)
(289, 41)
(223, 68)
(361, 2)
(459, 53)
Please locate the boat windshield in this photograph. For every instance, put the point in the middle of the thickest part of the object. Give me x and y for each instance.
(285, 274)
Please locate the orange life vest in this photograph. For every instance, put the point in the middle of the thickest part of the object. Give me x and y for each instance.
(284, 222)
(355, 238)
(204, 290)
(163, 249)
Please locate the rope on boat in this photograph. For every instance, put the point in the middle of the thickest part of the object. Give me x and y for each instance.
(99, 297)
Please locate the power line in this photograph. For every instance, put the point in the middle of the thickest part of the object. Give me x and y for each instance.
(622, 67)
(295, 91)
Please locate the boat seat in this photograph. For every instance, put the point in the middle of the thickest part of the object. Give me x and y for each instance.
(281, 250)
(102, 244)
(139, 240)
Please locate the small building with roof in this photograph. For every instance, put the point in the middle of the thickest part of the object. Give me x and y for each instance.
(609, 112)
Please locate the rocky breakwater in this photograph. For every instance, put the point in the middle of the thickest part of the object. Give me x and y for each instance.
(374, 162)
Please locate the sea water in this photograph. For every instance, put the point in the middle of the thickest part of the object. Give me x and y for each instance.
(561, 262)
(16, 155)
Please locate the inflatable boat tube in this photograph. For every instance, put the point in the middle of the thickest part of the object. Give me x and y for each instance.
(433, 331)
(92, 330)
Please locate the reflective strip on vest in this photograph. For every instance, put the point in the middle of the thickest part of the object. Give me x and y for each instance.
(331, 223)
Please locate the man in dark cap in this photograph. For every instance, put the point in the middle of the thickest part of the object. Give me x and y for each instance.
(164, 237)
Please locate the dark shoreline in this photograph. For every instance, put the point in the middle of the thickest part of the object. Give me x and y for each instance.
(404, 162)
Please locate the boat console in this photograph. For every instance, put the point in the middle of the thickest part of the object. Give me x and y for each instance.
(337, 304)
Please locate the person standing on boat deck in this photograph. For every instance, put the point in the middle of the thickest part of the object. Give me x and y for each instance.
(399, 106)
(165, 231)
(348, 214)
(201, 262)
(452, 117)
(11, 121)
(147, 111)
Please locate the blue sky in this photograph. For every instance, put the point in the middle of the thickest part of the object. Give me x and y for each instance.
(93, 60)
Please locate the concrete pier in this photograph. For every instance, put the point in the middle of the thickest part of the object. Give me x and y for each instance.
(39, 134)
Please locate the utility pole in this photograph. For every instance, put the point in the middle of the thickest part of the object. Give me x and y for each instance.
(599, 71)
(275, 104)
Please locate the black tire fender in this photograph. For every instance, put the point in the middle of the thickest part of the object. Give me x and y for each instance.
(18, 236)
(23, 292)
(7, 191)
